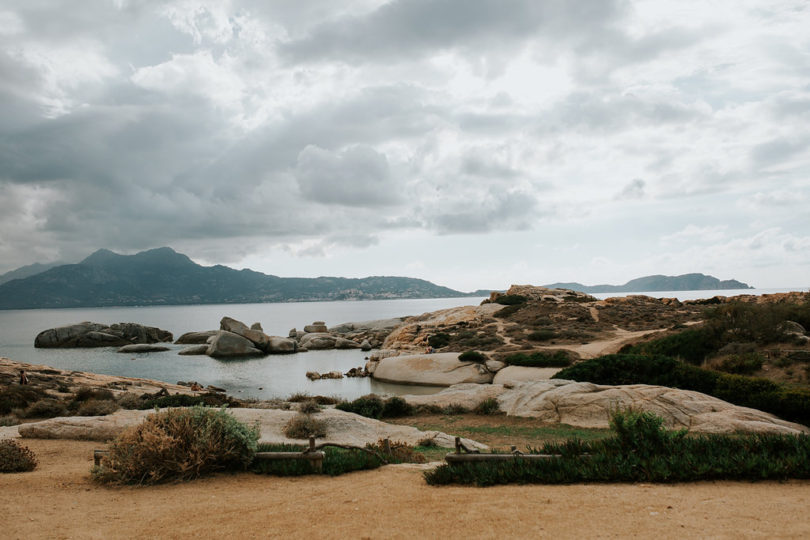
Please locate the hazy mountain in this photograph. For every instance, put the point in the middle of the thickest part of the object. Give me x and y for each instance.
(165, 277)
(27, 271)
(685, 282)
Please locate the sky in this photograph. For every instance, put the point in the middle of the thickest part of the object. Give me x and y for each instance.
(473, 143)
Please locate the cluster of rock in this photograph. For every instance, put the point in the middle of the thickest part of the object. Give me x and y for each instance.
(90, 334)
(235, 339)
(533, 292)
(354, 372)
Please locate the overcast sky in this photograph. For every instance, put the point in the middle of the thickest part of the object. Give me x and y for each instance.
(474, 143)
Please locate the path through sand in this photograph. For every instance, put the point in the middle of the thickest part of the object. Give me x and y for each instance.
(58, 500)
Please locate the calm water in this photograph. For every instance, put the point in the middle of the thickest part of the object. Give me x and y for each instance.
(271, 376)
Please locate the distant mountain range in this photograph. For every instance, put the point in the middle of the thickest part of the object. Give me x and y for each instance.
(164, 277)
(27, 271)
(685, 282)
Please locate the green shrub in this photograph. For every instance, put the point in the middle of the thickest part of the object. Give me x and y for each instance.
(210, 399)
(87, 392)
(692, 346)
(539, 359)
(396, 407)
(508, 311)
(741, 364)
(19, 397)
(298, 397)
(439, 340)
(643, 451)
(370, 406)
(97, 407)
(304, 426)
(336, 461)
(510, 299)
(45, 408)
(455, 408)
(179, 444)
(15, 457)
(309, 406)
(488, 407)
(472, 356)
(542, 335)
(616, 369)
(130, 401)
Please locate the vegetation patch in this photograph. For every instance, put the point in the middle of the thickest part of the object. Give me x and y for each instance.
(791, 404)
(179, 444)
(19, 397)
(16, 458)
(741, 364)
(510, 299)
(373, 406)
(542, 335)
(539, 359)
(97, 407)
(472, 356)
(641, 450)
(488, 407)
(304, 426)
(439, 340)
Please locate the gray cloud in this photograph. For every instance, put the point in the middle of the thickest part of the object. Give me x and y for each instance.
(633, 190)
(495, 211)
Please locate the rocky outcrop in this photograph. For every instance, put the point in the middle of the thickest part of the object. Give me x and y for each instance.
(341, 428)
(142, 348)
(320, 341)
(195, 338)
(318, 327)
(228, 345)
(441, 369)
(260, 340)
(532, 292)
(518, 374)
(89, 334)
(590, 405)
(194, 350)
(371, 332)
(413, 334)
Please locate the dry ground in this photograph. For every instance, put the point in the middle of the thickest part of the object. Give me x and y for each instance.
(58, 500)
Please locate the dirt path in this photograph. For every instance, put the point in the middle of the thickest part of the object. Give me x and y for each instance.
(604, 346)
(59, 501)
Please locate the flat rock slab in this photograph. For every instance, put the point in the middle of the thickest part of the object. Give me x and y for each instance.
(142, 348)
(590, 405)
(342, 428)
(519, 374)
(440, 369)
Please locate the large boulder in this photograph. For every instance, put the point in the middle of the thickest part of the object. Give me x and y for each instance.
(259, 339)
(341, 428)
(518, 374)
(142, 348)
(193, 350)
(90, 334)
(195, 338)
(281, 345)
(318, 327)
(467, 395)
(318, 341)
(227, 345)
(441, 369)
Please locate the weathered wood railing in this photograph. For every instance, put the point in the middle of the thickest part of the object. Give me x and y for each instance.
(472, 456)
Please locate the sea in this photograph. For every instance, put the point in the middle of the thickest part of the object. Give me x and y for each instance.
(275, 376)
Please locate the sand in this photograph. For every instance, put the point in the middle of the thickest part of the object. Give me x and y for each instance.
(58, 500)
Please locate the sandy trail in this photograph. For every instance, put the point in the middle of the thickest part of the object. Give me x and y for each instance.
(58, 500)
(604, 346)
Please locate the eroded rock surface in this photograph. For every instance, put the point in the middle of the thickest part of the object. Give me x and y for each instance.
(90, 334)
(441, 369)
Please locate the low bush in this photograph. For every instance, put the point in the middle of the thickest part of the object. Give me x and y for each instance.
(19, 397)
(472, 356)
(396, 407)
(510, 299)
(508, 311)
(542, 335)
(86, 393)
(455, 408)
(788, 403)
(15, 457)
(304, 426)
(210, 399)
(97, 407)
(298, 397)
(439, 340)
(179, 444)
(130, 401)
(741, 364)
(9, 420)
(309, 406)
(692, 346)
(643, 451)
(370, 406)
(488, 407)
(539, 359)
(336, 461)
(45, 408)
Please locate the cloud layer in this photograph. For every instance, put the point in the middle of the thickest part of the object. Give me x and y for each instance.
(473, 142)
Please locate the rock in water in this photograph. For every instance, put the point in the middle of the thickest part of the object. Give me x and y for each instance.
(89, 334)
(194, 350)
(195, 338)
(316, 327)
(228, 345)
(142, 348)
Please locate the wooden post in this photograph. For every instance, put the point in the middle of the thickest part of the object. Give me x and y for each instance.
(458, 445)
(311, 444)
(98, 454)
(387, 446)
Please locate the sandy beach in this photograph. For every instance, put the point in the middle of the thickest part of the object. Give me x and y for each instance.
(59, 500)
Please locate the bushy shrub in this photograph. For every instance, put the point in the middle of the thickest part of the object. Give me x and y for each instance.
(19, 397)
(97, 407)
(370, 406)
(539, 359)
(542, 335)
(86, 393)
(396, 452)
(488, 407)
(9, 420)
(298, 397)
(15, 457)
(455, 408)
(616, 369)
(304, 426)
(336, 461)
(741, 364)
(643, 451)
(130, 401)
(510, 299)
(179, 444)
(760, 323)
(210, 399)
(439, 340)
(472, 356)
(309, 406)
(692, 345)
(45, 408)
(508, 311)
(396, 407)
